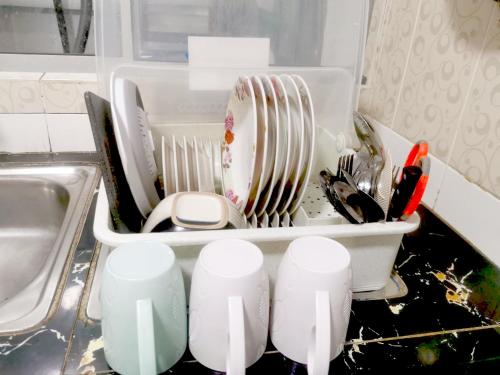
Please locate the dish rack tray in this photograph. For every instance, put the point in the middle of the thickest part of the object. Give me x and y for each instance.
(188, 163)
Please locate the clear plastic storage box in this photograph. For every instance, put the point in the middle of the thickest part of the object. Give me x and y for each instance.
(179, 55)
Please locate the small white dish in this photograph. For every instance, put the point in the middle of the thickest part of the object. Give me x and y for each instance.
(284, 158)
(240, 143)
(195, 210)
(310, 146)
(262, 152)
(275, 135)
(297, 116)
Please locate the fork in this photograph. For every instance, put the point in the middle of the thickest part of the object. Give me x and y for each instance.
(345, 163)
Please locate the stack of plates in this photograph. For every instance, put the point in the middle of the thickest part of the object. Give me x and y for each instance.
(269, 138)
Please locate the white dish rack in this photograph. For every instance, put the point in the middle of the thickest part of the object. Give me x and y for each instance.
(186, 103)
(188, 163)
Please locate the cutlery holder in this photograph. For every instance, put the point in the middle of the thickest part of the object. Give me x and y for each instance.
(147, 42)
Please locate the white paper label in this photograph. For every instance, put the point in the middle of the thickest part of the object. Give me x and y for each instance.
(228, 52)
(220, 52)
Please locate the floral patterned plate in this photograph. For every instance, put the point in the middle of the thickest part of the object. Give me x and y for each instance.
(309, 151)
(299, 135)
(263, 162)
(240, 143)
(276, 146)
(285, 147)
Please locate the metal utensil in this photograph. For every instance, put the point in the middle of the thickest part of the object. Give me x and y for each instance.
(345, 162)
(363, 173)
(349, 179)
(368, 136)
(372, 211)
(327, 180)
(347, 202)
(369, 173)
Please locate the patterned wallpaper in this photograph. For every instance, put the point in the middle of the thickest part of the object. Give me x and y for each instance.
(433, 69)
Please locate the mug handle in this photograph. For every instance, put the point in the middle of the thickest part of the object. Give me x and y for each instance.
(146, 337)
(235, 360)
(318, 354)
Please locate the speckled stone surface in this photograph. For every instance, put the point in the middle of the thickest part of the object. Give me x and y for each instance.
(448, 321)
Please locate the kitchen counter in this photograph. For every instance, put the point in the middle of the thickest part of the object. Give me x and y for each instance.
(449, 320)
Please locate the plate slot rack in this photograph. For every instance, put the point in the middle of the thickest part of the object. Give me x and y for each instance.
(190, 163)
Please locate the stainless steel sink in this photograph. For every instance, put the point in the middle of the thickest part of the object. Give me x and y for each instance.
(41, 212)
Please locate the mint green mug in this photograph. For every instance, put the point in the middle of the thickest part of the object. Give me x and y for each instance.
(144, 318)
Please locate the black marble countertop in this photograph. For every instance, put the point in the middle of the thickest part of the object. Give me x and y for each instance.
(449, 320)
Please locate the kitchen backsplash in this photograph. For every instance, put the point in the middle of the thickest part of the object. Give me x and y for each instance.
(42, 112)
(433, 72)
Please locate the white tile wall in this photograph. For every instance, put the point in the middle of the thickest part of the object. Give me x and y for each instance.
(26, 92)
(57, 111)
(472, 211)
(20, 93)
(399, 29)
(476, 152)
(23, 133)
(443, 56)
(63, 93)
(466, 207)
(449, 95)
(70, 132)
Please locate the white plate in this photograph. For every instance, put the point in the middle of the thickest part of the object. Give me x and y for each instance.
(298, 164)
(310, 150)
(284, 159)
(262, 153)
(135, 143)
(276, 143)
(240, 143)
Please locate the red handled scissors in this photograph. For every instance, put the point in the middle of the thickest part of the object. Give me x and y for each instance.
(418, 156)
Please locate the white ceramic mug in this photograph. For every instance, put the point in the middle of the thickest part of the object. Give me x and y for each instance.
(144, 317)
(312, 302)
(229, 306)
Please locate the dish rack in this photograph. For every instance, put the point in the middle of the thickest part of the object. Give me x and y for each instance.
(186, 105)
(192, 163)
